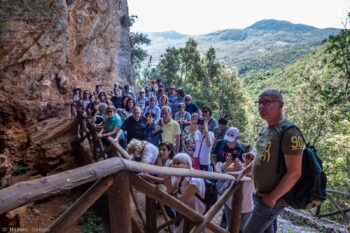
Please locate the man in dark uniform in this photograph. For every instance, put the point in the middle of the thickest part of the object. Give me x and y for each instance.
(271, 186)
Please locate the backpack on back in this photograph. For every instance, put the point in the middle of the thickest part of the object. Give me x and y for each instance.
(211, 194)
(310, 189)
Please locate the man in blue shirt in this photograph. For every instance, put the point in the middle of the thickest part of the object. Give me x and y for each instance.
(153, 106)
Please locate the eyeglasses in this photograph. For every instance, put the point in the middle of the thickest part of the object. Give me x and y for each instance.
(266, 102)
(231, 135)
(188, 99)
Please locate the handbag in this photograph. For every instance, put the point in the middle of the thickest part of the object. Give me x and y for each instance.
(195, 161)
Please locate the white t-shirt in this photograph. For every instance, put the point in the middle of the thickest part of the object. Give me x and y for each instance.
(247, 202)
(150, 153)
(194, 201)
(205, 150)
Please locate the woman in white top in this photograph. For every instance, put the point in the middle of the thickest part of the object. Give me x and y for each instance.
(185, 188)
(165, 159)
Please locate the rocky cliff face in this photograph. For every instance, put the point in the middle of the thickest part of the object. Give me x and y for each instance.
(46, 48)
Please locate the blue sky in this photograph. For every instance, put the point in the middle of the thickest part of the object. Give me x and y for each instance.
(202, 16)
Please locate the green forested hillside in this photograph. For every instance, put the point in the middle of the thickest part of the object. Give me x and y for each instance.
(245, 47)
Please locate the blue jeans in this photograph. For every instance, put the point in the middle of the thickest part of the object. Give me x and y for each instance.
(244, 218)
(263, 217)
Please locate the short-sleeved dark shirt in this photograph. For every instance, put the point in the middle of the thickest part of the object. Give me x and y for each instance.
(117, 101)
(191, 108)
(265, 164)
(135, 129)
(236, 151)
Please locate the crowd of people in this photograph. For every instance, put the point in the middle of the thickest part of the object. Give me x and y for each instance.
(163, 126)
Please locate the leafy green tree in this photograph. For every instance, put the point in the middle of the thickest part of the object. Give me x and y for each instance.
(137, 40)
(169, 67)
(191, 68)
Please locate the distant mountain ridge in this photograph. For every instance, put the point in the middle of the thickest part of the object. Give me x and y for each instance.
(280, 25)
(234, 46)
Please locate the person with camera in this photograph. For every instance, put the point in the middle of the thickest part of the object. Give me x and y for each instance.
(204, 142)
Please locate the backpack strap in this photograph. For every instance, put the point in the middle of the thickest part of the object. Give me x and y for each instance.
(223, 144)
(281, 165)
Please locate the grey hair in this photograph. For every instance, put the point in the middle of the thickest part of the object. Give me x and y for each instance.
(274, 93)
(102, 107)
(195, 115)
(183, 158)
(166, 108)
(134, 146)
(188, 96)
(136, 107)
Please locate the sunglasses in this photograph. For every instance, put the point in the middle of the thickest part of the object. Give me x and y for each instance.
(266, 102)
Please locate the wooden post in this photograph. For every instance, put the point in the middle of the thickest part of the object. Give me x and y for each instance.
(237, 208)
(215, 208)
(151, 215)
(187, 225)
(119, 204)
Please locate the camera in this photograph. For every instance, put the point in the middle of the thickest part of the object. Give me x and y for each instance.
(200, 121)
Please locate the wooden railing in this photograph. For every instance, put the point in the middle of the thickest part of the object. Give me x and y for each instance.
(117, 177)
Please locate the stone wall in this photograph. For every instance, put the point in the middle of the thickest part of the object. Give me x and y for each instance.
(46, 48)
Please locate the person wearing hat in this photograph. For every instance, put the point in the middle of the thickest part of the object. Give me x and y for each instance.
(208, 114)
(76, 94)
(172, 94)
(97, 90)
(228, 145)
(112, 127)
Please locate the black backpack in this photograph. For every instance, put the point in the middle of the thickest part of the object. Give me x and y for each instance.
(210, 196)
(310, 189)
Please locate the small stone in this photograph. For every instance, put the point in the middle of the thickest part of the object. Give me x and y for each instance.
(36, 211)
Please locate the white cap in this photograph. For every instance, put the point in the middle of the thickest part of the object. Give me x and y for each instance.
(231, 134)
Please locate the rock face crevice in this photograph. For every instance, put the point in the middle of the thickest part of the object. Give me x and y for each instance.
(46, 48)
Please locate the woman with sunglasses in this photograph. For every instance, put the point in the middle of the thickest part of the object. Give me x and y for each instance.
(112, 127)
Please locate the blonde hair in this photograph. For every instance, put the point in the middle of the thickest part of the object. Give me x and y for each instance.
(135, 147)
(166, 99)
